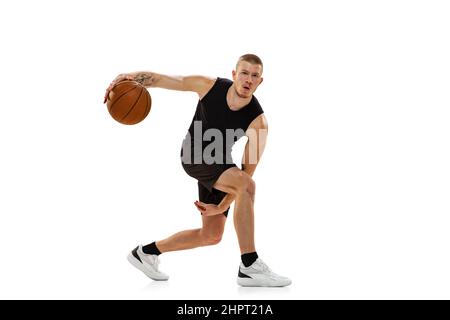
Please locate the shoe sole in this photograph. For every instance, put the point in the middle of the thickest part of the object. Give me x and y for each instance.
(138, 265)
(248, 282)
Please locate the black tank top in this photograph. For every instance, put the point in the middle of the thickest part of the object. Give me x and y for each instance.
(214, 121)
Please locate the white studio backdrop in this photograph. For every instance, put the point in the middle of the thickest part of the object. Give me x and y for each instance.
(352, 192)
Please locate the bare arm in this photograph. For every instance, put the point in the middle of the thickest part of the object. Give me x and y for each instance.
(226, 202)
(199, 84)
(257, 137)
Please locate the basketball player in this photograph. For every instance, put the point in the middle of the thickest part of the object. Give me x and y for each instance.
(223, 105)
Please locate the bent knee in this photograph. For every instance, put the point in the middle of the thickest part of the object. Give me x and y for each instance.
(246, 185)
(251, 187)
(212, 238)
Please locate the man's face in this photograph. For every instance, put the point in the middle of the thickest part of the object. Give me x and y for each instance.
(247, 78)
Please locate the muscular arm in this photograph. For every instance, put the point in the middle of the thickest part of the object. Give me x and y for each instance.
(257, 137)
(199, 84)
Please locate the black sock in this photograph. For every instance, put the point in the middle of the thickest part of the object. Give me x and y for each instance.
(249, 258)
(151, 249)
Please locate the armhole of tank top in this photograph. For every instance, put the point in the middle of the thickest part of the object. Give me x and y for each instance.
(260, 112)
(257, 112)
(209, 92)
(259, 109)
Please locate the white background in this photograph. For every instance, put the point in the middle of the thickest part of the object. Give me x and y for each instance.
(352, 192)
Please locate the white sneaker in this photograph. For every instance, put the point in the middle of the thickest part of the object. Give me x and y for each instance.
(259, 275)
(147, 263)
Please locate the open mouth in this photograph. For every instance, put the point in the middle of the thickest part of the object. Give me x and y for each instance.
(246, 88)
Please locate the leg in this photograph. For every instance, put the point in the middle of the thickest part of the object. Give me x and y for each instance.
(210, 234)
(239, 183)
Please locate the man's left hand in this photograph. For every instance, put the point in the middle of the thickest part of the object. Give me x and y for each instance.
(208, 209)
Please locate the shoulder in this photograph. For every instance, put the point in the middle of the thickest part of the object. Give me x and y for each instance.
(257, 104)
(224, 81)
(199, 84)
(216, 84)
(260, 122)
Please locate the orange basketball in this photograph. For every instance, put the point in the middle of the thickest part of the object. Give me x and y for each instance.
(129, 102)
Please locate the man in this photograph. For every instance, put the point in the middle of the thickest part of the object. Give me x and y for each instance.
(227, 110)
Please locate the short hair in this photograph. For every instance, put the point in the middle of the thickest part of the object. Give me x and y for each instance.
(250, 58)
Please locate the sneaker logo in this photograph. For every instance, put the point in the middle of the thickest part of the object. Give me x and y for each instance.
(242, 275)
(134, 253)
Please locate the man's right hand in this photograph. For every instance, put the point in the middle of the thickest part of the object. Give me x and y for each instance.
(120, 77)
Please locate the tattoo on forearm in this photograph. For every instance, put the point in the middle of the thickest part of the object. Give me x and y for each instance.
(142, 78)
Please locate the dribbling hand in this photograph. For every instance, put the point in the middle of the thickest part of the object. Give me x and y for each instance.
(120, 77)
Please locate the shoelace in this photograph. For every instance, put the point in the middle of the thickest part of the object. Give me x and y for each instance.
(264, 266)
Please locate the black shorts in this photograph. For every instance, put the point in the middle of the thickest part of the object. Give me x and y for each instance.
(207, 175)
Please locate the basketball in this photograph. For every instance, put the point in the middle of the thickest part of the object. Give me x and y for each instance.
(129, 102)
